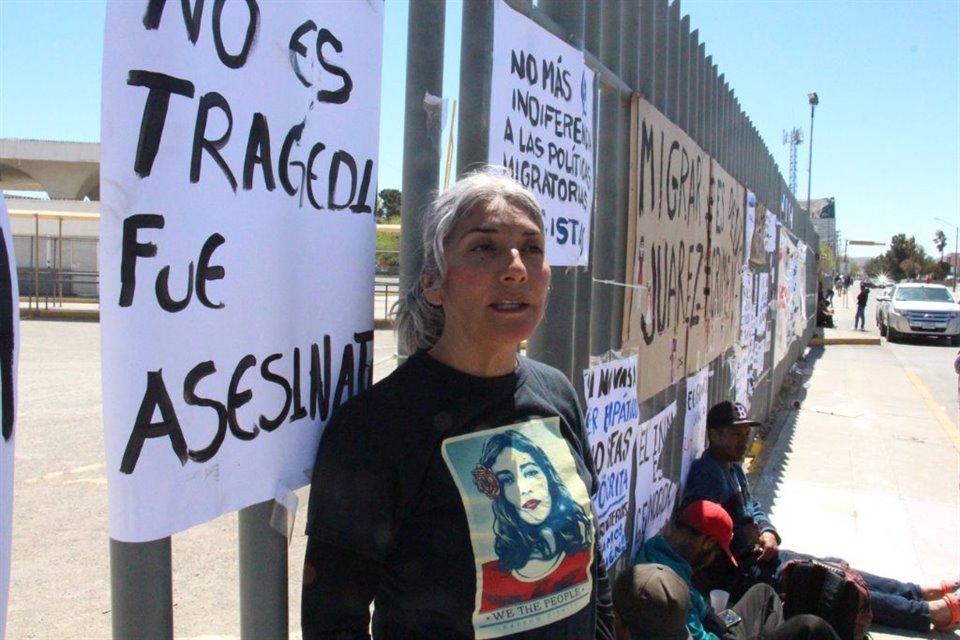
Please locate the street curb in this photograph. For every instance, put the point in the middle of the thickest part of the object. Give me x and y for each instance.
(94, 316)
(819, 342)
(60, 314)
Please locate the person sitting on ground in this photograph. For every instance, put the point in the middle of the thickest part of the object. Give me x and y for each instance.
(718, 476)
(702, 533)
(825, 314)
(650, 602)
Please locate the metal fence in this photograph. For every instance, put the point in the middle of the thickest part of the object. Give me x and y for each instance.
(641, 47)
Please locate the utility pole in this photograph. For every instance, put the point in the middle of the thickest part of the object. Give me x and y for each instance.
(814, 101)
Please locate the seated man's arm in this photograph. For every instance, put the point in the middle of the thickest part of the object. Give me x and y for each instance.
(769, 539)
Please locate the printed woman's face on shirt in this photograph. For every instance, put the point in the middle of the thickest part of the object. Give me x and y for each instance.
(524, 485)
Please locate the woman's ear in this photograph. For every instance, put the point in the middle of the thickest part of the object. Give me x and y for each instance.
(431, 292)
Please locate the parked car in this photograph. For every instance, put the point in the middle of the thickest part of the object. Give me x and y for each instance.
(918, 309)
(883, 299)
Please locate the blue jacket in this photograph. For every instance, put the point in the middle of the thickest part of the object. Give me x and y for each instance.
(708, 480)
(658, 550)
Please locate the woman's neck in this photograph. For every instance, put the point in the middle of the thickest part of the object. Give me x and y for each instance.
(476, 362)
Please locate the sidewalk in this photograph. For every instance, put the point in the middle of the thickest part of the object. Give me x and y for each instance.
(859, 463)
(843, 316)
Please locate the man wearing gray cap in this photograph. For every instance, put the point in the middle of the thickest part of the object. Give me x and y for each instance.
(650, 602)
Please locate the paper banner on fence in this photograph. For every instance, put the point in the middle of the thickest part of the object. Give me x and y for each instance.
(9, 352)
(655, 494)
(694, 420)
(239, 150)
(612, 418)
(541, 127)
(770, 232)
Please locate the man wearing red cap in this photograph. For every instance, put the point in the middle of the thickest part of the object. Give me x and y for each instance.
(718, 476)
(702, 532)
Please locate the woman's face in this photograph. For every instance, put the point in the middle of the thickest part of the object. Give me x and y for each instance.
(524, 485)
(495, 288)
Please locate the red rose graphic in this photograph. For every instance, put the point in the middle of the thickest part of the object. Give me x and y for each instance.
(486, 482)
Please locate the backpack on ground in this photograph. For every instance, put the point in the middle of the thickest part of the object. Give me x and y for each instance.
(835, 592)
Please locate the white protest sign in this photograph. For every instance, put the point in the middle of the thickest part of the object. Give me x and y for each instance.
(239, 146)
(654, 493)
(694, 420)
(541, 127)
(612, 416)
(9, 347)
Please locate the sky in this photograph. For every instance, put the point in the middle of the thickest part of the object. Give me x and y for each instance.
(886, 133)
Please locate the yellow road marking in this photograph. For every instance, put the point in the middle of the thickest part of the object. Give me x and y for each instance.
(948, 425)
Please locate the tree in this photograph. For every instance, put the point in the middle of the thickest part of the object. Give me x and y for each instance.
(904, 260)
(389, 204)
(940, 241)
(828, 262)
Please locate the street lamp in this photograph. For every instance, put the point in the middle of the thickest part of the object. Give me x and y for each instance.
(814, 101)
(956, 238)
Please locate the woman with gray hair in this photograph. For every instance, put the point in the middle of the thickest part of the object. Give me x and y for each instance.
(395, 516)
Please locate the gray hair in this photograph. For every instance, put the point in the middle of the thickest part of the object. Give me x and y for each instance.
(419, 324)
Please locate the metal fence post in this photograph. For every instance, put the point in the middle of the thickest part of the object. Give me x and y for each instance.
(141, 589)
(264, 601)
(421, 146)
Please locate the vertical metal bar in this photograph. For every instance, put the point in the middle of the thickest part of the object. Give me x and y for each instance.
(141, 589)
(421, 147)
(476, 68)
(628, 71)
(59, 269)
(693, 96)
(684, 75)
(710, 103)
(673, 62)
(700, 102)
(264, 601)
(660, 55)
(557, 341)
(630, 45)
(36, 258)
(646, 51)
(609, 149)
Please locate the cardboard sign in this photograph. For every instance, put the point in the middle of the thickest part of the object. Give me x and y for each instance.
(685, 251)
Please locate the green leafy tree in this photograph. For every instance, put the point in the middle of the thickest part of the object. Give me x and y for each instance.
(828, 261)
(904, 260)
(389, 204)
